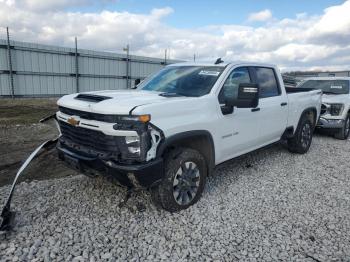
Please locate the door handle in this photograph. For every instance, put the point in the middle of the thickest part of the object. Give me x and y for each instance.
(284, 104)
(256, 109)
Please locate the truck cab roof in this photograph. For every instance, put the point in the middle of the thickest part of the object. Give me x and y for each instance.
(222, 64)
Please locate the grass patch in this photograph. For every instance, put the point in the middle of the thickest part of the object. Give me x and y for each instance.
(25, 111)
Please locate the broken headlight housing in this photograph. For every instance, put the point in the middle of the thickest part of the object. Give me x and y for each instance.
(336, 109)
(133, 144)
(140, 147)
(143, 146)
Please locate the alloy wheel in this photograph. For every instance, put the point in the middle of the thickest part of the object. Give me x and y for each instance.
(347, 127)
(186, 183)
(306, 135)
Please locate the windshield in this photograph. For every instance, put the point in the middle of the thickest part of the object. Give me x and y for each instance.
(328, 86)
(184, 80)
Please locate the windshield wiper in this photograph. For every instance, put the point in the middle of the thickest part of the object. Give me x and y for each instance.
(173, 94)
(170, 94)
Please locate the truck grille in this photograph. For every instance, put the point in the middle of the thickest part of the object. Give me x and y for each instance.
(92, 141)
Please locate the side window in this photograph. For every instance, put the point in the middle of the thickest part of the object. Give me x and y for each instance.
(230, 87)
(267, 82)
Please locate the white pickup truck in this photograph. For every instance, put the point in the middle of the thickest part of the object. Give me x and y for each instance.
(335, 110)
(170, 133)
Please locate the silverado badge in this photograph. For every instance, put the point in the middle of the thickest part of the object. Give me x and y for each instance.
(73, 121)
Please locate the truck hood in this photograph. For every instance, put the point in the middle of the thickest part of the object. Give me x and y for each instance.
(120, 102)
(331, 98)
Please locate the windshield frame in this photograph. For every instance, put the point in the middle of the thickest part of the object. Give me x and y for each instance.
(149, 79)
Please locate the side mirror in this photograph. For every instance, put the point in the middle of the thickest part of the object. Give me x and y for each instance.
(137, 81)
(248, 96)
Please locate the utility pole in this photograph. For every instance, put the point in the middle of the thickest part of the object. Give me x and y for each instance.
(127, 50)
(12, 87)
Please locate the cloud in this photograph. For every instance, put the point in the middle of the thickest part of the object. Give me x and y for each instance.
(333, 27)
(261, 16)
(52, 5)
(161, 12)
(47, 5)
(303, 42)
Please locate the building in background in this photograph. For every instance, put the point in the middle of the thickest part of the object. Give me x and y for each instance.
(34, 70)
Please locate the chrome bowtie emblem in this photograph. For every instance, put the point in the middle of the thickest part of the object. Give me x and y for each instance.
(73, 121)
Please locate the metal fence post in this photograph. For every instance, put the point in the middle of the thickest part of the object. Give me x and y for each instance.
(127, 49)
(76, 66)
(12, 88)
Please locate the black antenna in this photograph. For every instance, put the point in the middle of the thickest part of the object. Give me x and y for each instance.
(218, 61)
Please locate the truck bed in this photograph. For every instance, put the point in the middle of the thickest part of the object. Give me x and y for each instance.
(298, 89)
(299, 100)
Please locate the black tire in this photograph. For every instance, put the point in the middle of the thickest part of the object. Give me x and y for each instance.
(185, 173)
(344, 132)
(301, 141)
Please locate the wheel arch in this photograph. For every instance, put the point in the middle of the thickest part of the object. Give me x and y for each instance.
(311, 113)
(200, 140)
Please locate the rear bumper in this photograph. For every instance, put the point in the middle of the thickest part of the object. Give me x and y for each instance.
(330, 123)
(140, 175)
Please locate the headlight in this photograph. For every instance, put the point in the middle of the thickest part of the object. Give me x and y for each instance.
(133, 143)
(141, 118)
(134, 150)
(131, 122)
(336, 109)
(132, 140)
(135, 146)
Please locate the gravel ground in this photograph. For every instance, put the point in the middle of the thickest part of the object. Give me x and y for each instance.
(267, 205)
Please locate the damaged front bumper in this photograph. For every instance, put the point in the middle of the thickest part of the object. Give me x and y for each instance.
(330, 123)
(7, 216)
(143, 175)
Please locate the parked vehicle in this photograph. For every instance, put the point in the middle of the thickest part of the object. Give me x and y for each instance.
(170, 133)
(335, 110)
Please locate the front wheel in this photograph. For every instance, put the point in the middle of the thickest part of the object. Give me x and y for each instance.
(344, 132)
(183, 182)
(301, 141)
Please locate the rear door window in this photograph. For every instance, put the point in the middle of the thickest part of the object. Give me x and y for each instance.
(266, 78)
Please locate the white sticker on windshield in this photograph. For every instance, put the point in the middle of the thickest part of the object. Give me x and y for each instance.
(209, 73)
(336, 87)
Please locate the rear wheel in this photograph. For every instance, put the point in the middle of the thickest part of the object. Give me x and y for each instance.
(344, 132)
(301, 141)
(183, 182)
